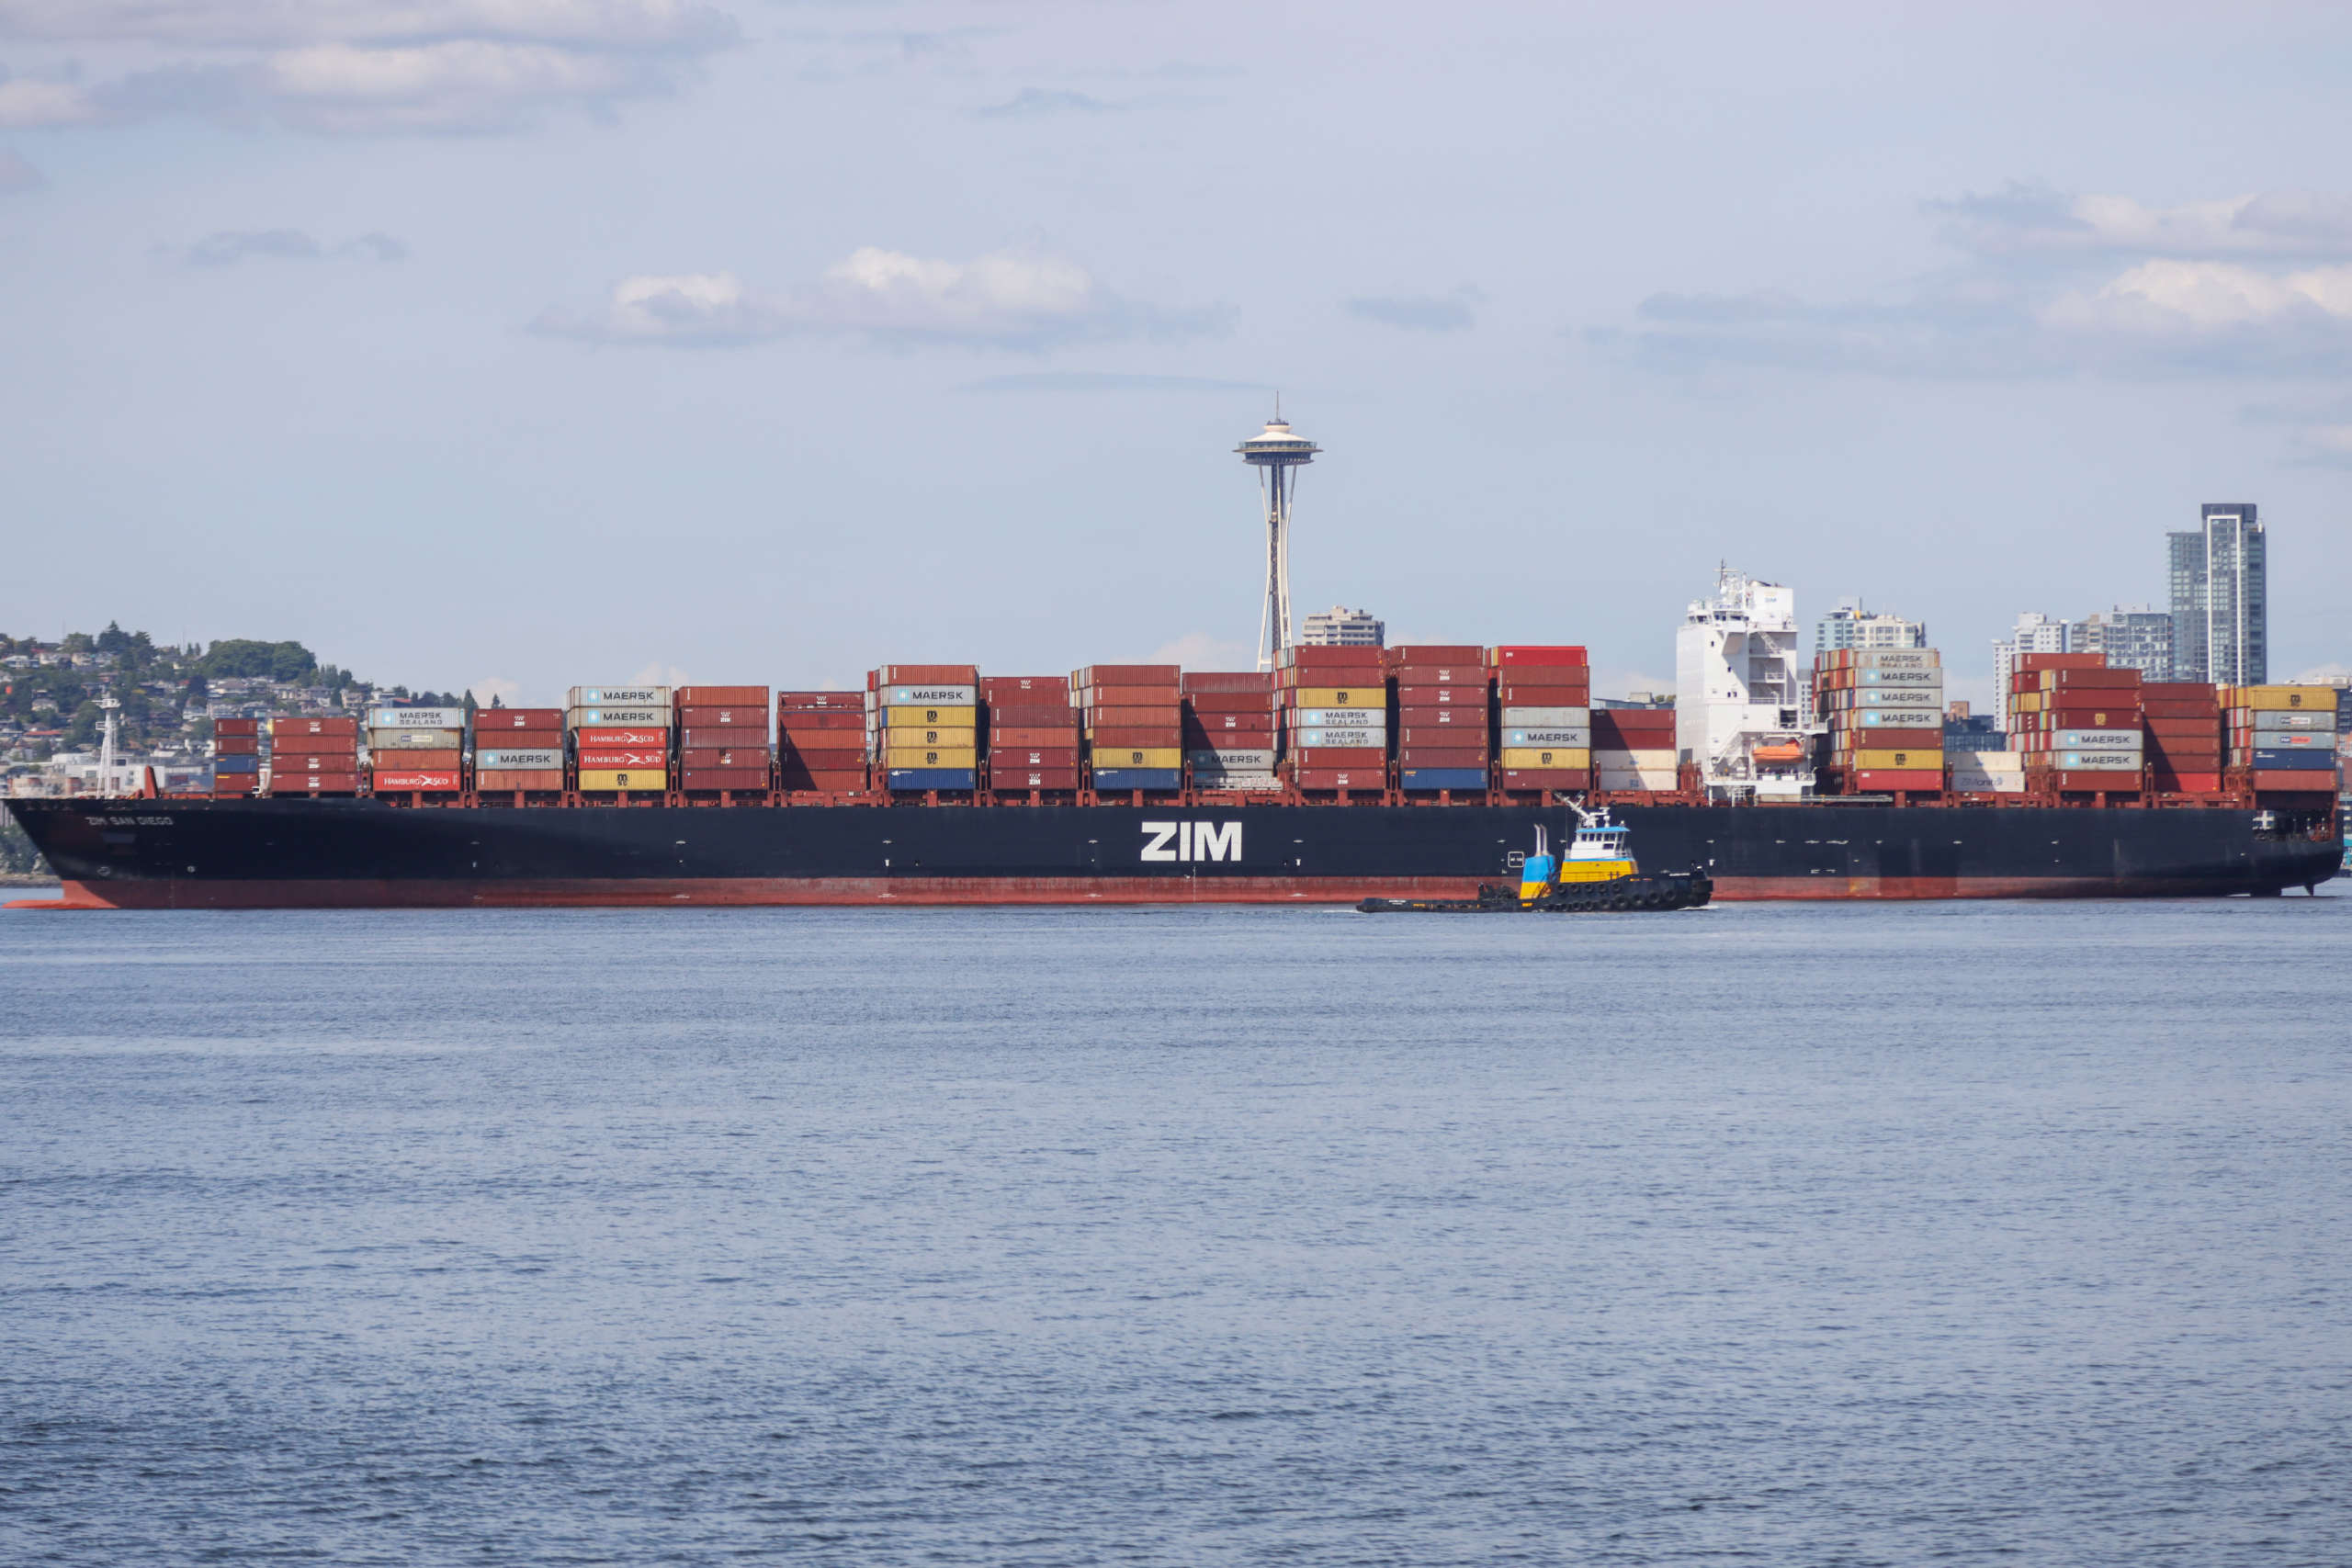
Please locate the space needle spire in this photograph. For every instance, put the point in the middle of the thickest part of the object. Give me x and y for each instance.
(1277, 454)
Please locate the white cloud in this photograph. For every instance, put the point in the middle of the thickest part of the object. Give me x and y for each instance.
(230, 246)
(2199, 296)
(1008, 299)
(2027, 219)
(365, 66)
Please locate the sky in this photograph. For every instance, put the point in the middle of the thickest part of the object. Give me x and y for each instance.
(513, 344)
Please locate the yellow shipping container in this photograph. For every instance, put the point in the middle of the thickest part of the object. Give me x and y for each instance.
(1899, 760)
(2278, 699)
(1334, 697)
(967, 738)
(931, 756)
(624, 778)
(2027, 702)
(931, 719)
(1547, 757)
(1139, 756)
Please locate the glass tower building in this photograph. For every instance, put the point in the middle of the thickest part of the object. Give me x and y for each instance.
(2220, 598)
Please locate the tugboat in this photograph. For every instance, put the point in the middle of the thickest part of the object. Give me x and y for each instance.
(1599, 873)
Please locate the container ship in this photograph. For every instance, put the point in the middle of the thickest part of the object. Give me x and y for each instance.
(1340, 774)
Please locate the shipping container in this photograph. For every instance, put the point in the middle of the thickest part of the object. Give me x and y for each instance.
(919, 717)
(236, 727)
(636, 780)
(635, 735)
(489, 719)
(615, 697)
(589, 719)
(1234, 761)
(400, 779)
(415, 739)
(1011, 776)
(237, 745)
(1546, 778)
(1566, 735)
(1520, 656)
(541, 779)
(1875, 779)
(653, 757)
(1540, 757)
(416, 718)
(752, 697)
(1137, 778)
(285, 725)
(820, 702)
(1900, 761)
(737, 778)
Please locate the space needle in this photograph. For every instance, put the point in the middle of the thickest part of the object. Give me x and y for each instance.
(1277, 454)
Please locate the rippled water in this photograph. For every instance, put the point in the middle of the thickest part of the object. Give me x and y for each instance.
(1826, 1234)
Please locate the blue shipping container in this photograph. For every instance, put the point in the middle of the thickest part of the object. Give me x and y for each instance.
(932, 778)
(2290, 761)
(1443, 778)
(236, 764)
(1138, 778)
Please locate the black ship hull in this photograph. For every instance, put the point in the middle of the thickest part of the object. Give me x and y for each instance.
(174, 853)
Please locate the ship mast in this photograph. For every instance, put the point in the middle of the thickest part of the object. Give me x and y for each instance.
(106, 705)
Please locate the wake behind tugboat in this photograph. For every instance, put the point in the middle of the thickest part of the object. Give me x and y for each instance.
(1599, 874)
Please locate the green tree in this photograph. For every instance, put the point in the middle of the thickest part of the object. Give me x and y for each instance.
(242, 658)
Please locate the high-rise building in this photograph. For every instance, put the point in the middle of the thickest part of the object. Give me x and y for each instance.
(2220, 598)
(2034, 633)
(2136, 638)
(1342, 628)
(1851, 626)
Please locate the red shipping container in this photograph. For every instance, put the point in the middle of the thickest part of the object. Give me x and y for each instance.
(315, 745)
(1131, 734)
(1340, 778)
(1229, 681)
(1059, 735)
(2181, 691)
(487, 720)
(1522, 656)
(2118, 717)
(1521, 694)
(739, 716)
(1133, 696)
(723, 697)
(289, 762)
(724, 756)
(925, 675)
(1131, 717)
(313, 723)
(396, 779)
(237, 745)
(316, 783)
(1027, 716)
(521, 740)
(1000, 777)
(723, 778)
(1036, 757)
(1897, 778)
(1230, 724)
(827, 756)
(1230, 701)
(1127, 675)
(1428, 727)
(2282, 780)
(1340, 756)
(2109, 781)
(420, 759)
(2062, 661)
(519, 778)
(236, 727)
(1547, 778)
(1408, 654)
(1441, 756)
(2206, 782)
(2177, 724)
(1421, 695)
(1633, 721)
(2067, 680)
(1037, 690)
(1301, 658)
(743, 734)
(1887, 739)
(818, 723)
(820, 702)
(653, 757)
(2178, 708)
(638, 736)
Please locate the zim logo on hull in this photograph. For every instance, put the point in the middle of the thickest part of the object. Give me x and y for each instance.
(1192, 840)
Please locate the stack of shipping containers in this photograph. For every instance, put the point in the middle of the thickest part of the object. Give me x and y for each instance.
(236, 757)
(821, 741)
(1884, 710)
(2285, 735)
(926, 726)
(1544, 716)
(1440, 703)
(2076, 723)
(621, 739)
(1230, 729)
(723, 739)
(416, 751)
(313, 754)
(1135, 725)
(518, 750)
(2180, 725)
(1632, 749)
(1334, 711)
(1033, 734)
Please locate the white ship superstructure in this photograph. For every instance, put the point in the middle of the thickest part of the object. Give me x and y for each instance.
(1740, 690)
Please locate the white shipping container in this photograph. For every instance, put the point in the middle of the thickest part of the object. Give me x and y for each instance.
(618, 697)
(931, 696)
(576, 718)
(1899, 718)
(416, 718)
(498, 759)
(1231, 761)
(1897, 659)
(1547, 718)
(1581, 735)
(1900, 697)
(1376, 739)
(2098, 740)
(2288, 720)
(416, 740)
(1868, 678)
(1237, 781)
(1338, 718)
(1633, 778)
(2098, 761)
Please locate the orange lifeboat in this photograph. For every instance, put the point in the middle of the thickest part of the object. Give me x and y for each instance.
(1780, 751)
